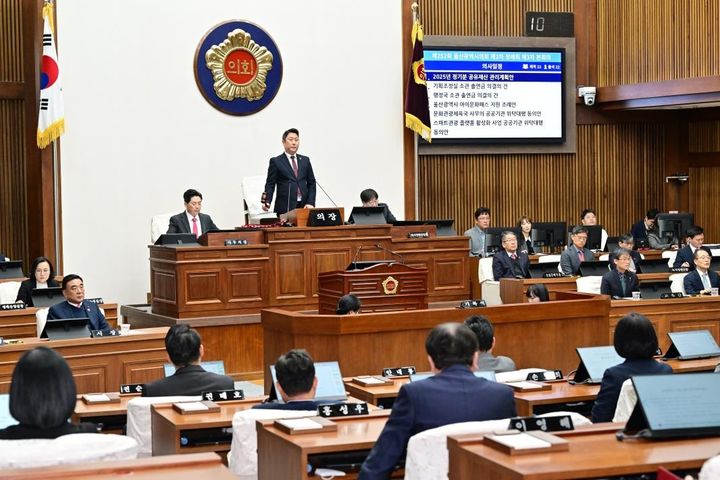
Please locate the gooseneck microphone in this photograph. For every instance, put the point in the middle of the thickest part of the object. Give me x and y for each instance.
(390, 252)
(355, 257)
(326, 194)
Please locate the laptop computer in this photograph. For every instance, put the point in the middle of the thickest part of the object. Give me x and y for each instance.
(5, 418)
(486, 374)
(215, 366)
(597, 268)
(594, 361)
(11, 269)
(654, 290)
(692, 344)
(46, 297)
(655, 265)
(367, 216)
(64, 328)
(177, 239)
(675, 405)
(330, 383)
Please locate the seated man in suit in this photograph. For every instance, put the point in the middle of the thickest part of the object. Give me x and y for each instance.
(485, 333)
(643, 227)
(185, 350)
(75, 305)
(477, 234)
(296, 382)
(369, 198)
(627, 242)
(509, 263)
(452, 395)
(293, 176)
(588, 218)
(620, 282)
(685, 256)
(701, 280)
(576, 253)
(191, 220)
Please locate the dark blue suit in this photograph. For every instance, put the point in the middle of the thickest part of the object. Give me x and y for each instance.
(505, 267)
(280, 173)
(604, 408)
(638, 231)
(693, 283)
(611, 285)
(685, 254)
(88, 309)
(299, 405)
(452, 396)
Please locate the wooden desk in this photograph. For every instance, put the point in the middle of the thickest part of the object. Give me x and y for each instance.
(281, 265)
(532, 334)
(690, 366)
(22, 323)
(671, 315)
(591, 455)
(381, 395)
(168, 426)
(99, 364)
(353, 433)
(110, 416)
(173, 467)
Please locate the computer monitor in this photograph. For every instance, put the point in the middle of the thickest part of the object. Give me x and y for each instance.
(594, 268)
(612, 244)
(177, 239)
(673, 226)
(552, 235)
(594, 232)
(493, 238)
(214, 366)
(692, 344)
(486, 374)
(444, 227)
(538, 270)
(594, 361)
(367, 216)
(676, 405)
(63, 328)
(654, 265)
(46, 297)
(330, 383)
(11, 269)
(655, 289)
(5, 418)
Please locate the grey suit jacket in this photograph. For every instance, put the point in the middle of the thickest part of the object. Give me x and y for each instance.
(570, 261)
(179, 223)
(477, 241)
(489, 362)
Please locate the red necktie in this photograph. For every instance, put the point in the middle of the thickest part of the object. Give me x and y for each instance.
(295, 170)
(513, 256)
(195, 227)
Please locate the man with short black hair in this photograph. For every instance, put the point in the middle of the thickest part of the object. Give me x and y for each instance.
(478, 237)
(296, 382)
(575, 254)
(643, 227)
(452, 395)
(293, 176)
(685, 256)
(369, 198)
(191, 220)
(509, 263)
(627, 242)
(485, 333)
(185, 349)
(75, 306)
(620, 282)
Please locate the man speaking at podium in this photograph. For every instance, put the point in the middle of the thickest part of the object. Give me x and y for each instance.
(292, 174)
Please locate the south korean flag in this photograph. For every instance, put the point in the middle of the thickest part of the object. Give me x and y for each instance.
(51, 120)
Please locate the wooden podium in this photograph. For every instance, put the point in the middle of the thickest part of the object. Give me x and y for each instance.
(300, 216)
(383, 287)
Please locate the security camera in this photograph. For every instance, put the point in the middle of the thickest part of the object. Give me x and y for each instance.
(588, 95)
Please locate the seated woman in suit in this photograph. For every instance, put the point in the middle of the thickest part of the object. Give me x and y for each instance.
(42, 275)
(348, 305)
(525, 243)
(636, 341)
(42, 397)
(537, 293)
(620, 282)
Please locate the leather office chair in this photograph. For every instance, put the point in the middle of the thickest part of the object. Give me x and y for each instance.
(9, 291)
(677, 282)
(252, 190)
(589, 284)
(670, 255)
(626, 402)
(139, 425)
(159, 225)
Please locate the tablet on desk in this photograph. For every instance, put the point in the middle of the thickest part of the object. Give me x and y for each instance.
(64, 328)
(593, 363)
(5, 418)
(330, 386)
(215, 366)
(691, 345)
(46, 297)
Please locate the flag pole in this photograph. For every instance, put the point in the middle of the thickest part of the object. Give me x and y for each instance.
(416, 17)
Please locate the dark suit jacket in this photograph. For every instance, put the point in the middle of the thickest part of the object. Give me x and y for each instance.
(570, 261)
(611, 285)
(88, 309)
(299, 405)
(685, 254)
(503, 265)
(604, 408)
(20, 432)
(452, 396)
(693, 283)
(638, 231)
(26, 288)
(635, 255)
(190, 380)
(179, 223)
(281, 174)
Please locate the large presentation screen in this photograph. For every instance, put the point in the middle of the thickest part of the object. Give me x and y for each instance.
(496, 95)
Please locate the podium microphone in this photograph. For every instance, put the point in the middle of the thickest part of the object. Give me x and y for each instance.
(354, 260)
(390, 252)
(326, 194)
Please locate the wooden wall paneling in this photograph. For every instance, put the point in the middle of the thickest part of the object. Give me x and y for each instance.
(704, 136)
(704, 191)
(13, 225)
